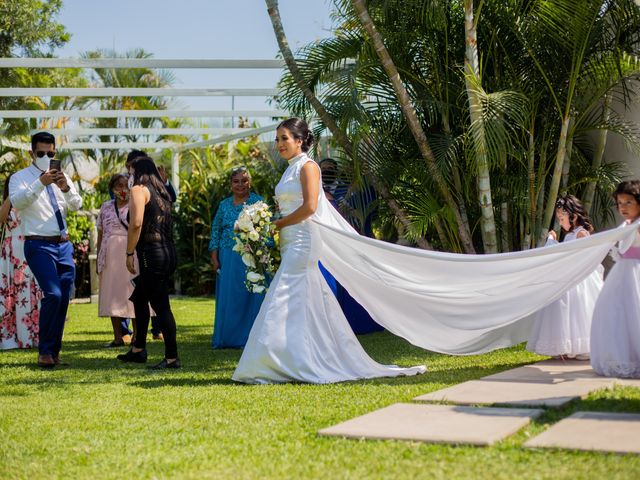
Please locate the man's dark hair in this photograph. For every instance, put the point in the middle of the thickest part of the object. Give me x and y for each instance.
(134, 155)
(329, 160)
(42, 137)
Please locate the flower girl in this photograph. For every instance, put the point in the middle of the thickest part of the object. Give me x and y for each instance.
(615, 332)
(562, 328)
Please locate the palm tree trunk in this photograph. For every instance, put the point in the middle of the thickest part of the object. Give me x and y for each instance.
(340, 136)
(590, 191)
(455, 174)
(472, 71)
(555, 179)
(567, 160)
(412, 119)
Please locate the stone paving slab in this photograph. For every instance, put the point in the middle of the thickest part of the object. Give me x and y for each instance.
(484, 392)
(597, 431)
(628, 382)
(436, 424)
(551, 383)
(550, 371)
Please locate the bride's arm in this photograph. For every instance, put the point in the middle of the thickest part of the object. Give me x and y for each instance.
(310, 180)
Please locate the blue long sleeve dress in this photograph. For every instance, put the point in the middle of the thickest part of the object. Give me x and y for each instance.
(236, 307)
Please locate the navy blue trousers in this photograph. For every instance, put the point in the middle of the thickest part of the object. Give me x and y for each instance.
(52, 266)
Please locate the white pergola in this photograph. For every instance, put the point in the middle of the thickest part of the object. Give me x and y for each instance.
(82, 138)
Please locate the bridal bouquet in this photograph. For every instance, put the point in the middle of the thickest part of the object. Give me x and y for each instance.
(256, 242)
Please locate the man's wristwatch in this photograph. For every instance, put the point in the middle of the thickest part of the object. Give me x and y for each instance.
(130, 254)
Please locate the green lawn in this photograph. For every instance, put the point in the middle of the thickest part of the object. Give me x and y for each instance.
(100, 419)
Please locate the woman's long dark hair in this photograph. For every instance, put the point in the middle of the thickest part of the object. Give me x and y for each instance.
(5, 193)
(146, 173)
(577, 214)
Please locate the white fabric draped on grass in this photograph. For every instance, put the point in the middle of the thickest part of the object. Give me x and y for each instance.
(454, 303)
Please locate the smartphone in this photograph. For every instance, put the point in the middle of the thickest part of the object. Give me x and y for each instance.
(55, 164)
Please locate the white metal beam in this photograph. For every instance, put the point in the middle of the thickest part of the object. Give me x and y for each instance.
(247, 132)
(137, 92)
(115, 145)
(136, 63)
(84, 132)
(140, 113)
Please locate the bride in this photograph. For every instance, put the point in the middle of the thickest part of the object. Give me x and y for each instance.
(300, 333)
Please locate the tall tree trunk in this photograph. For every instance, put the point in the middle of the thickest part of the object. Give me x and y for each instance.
(566, 167)
(340, 136)
(412, 119)
(471, 74)
(598, 155)
(531, 192)
(455, 174)
(555, 179)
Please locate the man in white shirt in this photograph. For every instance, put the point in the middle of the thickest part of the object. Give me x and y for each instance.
(42, 194)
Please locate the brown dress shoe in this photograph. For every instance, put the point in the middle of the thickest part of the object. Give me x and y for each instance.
(46, 361)
(58, 361)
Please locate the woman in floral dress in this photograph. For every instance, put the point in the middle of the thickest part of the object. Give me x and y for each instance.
(19, 292)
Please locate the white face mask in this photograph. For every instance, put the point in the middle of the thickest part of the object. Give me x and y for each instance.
(42, 163)
(130, 181)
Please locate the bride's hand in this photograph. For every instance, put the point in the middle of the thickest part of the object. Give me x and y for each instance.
(278, 224)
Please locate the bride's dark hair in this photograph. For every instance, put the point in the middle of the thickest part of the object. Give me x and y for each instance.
(300, 131)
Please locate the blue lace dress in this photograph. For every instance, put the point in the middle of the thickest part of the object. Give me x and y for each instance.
(236, 308)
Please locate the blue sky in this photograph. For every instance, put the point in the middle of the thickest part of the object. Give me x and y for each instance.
(238, 29)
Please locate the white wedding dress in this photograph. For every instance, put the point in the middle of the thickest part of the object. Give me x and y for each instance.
(300, 333)
(444, 302)
(564, 326)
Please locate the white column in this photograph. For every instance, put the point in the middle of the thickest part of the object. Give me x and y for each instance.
(175, 170)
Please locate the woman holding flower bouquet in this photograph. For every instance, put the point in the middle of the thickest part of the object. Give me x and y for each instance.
(236, 306)
(300, 333)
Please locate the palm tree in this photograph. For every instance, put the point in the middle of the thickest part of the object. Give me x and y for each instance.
(328, 121)
(123, 78)
(473, 82)
(412, 118)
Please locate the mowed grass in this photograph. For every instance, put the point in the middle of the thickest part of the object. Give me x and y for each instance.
(101, 419)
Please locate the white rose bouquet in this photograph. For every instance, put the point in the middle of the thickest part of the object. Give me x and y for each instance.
(256, 242)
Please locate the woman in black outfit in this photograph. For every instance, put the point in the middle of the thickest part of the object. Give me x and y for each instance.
(150, 234)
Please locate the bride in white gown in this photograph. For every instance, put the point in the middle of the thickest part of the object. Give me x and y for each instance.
(300, 333)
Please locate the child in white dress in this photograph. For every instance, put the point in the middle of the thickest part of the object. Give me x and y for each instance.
(562, 329)
(615, 332)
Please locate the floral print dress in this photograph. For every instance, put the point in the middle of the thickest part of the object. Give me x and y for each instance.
(19, 292)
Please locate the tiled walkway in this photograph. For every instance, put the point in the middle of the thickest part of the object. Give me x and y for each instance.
(544, 384)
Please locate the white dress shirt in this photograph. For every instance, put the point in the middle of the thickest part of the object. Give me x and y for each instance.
(29, 196)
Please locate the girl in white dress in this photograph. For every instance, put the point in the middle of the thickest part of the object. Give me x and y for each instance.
(562, 329)
(300, 333)
(615, 331)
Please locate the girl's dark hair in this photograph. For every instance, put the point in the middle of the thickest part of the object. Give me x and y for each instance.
(630, 187)
(114, 180)
(5, 192)
(578, 216)
(146, 173)
(300, 131)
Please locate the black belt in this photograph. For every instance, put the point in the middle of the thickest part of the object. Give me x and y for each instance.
(52, 239)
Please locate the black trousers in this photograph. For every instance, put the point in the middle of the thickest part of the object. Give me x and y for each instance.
(157, 262)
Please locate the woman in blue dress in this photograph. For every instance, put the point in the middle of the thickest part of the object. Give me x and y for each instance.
(236, 308)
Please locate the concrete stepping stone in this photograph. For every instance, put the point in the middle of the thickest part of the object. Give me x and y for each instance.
(597, 431)
(628, 382)
(436, 424)
(550, 383)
